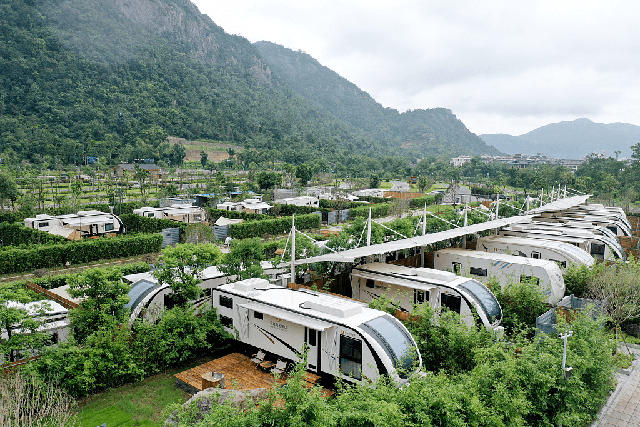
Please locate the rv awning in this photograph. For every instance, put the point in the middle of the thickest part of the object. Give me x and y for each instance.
(428, 239)
(289, 316)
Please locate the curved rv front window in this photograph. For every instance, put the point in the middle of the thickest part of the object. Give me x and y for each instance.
(485, 299)
(395, 340)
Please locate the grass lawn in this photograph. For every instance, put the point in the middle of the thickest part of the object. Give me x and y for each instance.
(138, 404)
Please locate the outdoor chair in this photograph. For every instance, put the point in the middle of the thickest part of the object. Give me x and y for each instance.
(280, 367)
(258, 358)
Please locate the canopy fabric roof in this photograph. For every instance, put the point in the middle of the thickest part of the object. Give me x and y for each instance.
(428, 239)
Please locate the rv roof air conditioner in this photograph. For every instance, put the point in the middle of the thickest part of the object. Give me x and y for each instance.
(249, 285)
(335, 308)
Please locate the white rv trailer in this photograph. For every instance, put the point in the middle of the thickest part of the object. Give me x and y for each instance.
(599, 247)
(85, 223)
(54, 320)
(187, 213)
(577, 224)
(409, 286)
(345, 337)
(551, 250)
(505, 268)
(617, 226)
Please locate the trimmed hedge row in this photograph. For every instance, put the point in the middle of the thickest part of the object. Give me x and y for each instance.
(140, 224)
(10, 217)
(217, 213)
(419, 202)
(249, 229)
(17, 260)
(19, 235)
(377, 210)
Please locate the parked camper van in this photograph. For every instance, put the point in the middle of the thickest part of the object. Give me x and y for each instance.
(409, 286)
(599, 247)
(80, 225)
(561, 253)
(345, 338)
(617, 226)
(505, 268)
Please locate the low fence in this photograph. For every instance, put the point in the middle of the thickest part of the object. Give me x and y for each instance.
(52, 296)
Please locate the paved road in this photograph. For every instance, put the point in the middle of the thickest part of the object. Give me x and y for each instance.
(623, 406)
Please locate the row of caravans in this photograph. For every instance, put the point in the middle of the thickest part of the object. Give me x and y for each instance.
(79, 225)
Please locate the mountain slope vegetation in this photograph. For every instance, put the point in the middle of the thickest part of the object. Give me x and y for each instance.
(113, 79)
(434, 131)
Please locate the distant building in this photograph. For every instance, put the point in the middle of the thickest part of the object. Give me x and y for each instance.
(178, 212)
(76, 226)
(153, 169)
(459, 161)
(247, 205)
(308, 201)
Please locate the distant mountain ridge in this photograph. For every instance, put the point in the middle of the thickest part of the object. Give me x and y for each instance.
(570, 139)
(437, 131)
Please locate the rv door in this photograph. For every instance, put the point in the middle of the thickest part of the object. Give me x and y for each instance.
(313, 356)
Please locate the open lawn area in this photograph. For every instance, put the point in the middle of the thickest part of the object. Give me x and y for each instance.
(138, 404)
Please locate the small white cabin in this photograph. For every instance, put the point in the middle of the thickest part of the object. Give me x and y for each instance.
(409, 286)
(345, 338)
(84, 223)
(559, 252)
(308, 201)
(179, 212)
(505, 268)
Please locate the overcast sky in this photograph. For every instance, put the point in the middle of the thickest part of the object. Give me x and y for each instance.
(500, 66)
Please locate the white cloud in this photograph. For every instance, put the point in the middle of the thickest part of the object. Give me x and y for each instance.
(501, 66)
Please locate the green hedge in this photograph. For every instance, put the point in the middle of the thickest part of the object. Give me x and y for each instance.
(419, 202)
(17, 260)
(19, 235)
(250, 229)
(217, 213)
(140, 224)
(10, 217)
(377, 210)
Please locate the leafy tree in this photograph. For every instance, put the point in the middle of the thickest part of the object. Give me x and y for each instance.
(8, 189)
(104, 296)
(521, 303)
(203, 158)
(243, 259)
(374, 181)
(141, 175)
(182, 270)
(20, 325)
(268, 180)
(617, 286)
(304, 172)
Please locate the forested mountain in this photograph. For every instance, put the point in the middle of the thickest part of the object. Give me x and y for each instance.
(435, 131)
(568, 140)
(112, 79)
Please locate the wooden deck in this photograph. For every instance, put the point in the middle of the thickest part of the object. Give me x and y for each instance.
(239, 372)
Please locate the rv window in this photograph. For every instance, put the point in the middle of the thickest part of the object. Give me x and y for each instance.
(562, 264)
(313, 334)
(597, 249)
(226, 321)
(351, 357)
(370, 283)
(531, 279)
(457, 267)
(43, 224)
(452, 302)
(258, 315)
(613, 228)
(396, 342)
(108, 227)
(485, 298)
(169, 301)
(420, 296)
(54, 338)
(149, 214)
(536, 255)
(226, 301)
(478, 271)
(208, 292)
